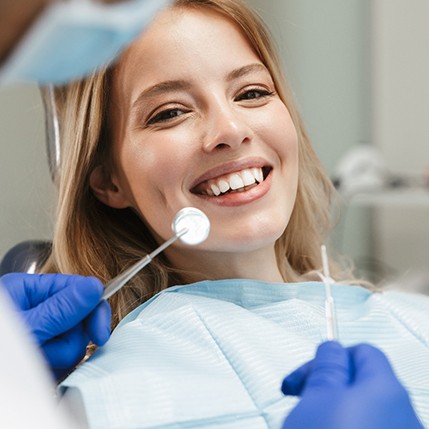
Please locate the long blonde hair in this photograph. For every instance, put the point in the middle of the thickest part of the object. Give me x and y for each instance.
(93, 239)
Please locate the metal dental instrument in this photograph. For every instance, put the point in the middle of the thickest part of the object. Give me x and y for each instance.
(330, 314)
(190, 225)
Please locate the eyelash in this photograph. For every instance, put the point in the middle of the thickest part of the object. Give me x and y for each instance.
(263, 93)
(163, 115)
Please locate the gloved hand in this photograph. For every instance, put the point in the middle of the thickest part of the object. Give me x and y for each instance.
(351, 388)
(63, 312)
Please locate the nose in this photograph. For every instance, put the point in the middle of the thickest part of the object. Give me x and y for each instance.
(225, 128)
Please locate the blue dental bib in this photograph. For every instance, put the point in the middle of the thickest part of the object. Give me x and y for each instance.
(214, 353)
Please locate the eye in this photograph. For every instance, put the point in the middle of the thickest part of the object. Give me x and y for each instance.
(166, 115)
(253, 94)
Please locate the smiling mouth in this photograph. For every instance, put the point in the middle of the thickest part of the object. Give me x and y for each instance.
(239, 181)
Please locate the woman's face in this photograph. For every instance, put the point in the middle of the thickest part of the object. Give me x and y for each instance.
(197, 122)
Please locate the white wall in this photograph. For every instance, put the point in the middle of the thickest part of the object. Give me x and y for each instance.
(401, 124)
(27, 193)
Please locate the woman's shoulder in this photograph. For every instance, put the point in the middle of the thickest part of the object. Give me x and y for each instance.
(403, 301)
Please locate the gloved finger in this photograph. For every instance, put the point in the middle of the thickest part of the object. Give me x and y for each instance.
(29, 290)
(13, 284)
(68, 350)
(329, 355)
(25, 290)
(294, 383)
(372, 368)
(49, 285)
(97, 324)
(65, 309)
(331, 368)
(371, 363)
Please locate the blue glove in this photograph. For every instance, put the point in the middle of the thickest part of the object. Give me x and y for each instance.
(63, 312)
(351, 388)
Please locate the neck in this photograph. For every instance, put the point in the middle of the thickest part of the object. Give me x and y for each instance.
(260, 265)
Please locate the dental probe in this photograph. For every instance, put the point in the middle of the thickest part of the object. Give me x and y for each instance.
(190, 225)
(330, 314)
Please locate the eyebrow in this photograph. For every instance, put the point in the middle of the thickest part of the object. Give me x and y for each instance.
(178, 85)
(245, 70)
(160, 88)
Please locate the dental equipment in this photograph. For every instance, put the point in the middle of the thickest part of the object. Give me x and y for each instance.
(190, 225)
(330, 314)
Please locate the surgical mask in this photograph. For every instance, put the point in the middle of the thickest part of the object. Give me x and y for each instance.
(73, 38)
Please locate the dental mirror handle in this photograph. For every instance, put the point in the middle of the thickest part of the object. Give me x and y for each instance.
(331, 320)
(117, 282)
(330, 313)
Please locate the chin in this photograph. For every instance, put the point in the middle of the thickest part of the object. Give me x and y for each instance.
(246, 241)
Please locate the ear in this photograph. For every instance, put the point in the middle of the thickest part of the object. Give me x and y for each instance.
(106, 190)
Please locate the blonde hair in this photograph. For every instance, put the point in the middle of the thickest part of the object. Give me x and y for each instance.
(93, 239)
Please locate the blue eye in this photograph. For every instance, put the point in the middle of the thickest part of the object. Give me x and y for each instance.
(166, 115)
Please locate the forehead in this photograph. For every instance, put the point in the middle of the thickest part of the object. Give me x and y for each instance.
(182, 43)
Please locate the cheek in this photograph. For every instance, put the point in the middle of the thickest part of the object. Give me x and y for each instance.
(154, 168)
(278, 131)
(149, 164)
(283, 138)
(287, 131)
(291, 157)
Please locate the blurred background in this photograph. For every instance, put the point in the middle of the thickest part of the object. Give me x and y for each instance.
(358, 69)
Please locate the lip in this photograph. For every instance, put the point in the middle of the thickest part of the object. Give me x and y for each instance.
(229, 167)
(235, 199)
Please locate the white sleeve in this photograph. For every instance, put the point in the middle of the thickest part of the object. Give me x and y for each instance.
(26, 388)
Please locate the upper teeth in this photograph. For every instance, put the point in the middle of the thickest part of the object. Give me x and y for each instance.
(234, 181)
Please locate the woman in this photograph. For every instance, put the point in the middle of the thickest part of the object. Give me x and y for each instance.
(196, 113)
(85, 225)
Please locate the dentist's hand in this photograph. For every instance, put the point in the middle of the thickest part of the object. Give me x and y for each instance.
(351, 388)
(63, 312)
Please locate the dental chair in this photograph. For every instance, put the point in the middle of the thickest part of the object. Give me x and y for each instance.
(29, 256)
(25, 257)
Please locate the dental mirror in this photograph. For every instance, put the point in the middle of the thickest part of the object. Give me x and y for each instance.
(195, 222)
(190, 225)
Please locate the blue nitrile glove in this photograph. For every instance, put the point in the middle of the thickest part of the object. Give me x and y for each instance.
(351, 388)
(63, 312)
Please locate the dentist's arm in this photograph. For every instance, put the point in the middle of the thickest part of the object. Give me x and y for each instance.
(63, 312)
(352, 388)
